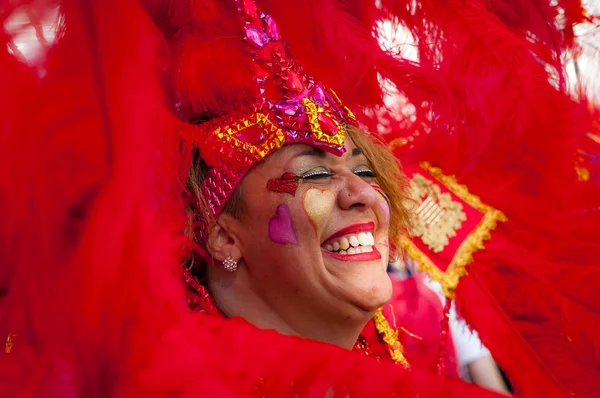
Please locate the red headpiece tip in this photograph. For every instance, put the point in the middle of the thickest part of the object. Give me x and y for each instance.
(281, 104)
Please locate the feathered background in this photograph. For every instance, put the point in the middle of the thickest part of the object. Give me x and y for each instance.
(91, 211)
(91, 233)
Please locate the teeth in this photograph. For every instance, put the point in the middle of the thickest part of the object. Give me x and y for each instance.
(344, 244)
(353, 244)
(363, 239)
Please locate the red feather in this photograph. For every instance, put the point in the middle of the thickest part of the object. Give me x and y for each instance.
(91, 281)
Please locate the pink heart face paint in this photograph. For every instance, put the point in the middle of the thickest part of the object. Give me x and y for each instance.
(288, 183)
(318, 205)
(281, 226)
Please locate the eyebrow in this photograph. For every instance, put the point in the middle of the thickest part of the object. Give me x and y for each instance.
(321, 153)
(357, 152)
(311, 152)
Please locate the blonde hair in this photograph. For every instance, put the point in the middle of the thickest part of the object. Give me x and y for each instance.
(390, 178)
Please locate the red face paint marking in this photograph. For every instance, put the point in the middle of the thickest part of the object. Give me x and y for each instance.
(288, 183)
(381, 191)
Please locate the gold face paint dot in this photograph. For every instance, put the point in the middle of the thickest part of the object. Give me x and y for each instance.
(318, 204)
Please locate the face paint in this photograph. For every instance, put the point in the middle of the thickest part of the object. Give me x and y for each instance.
(281, 226)
(318, 204)
(288, 183)
(381, 192)
(384, 208)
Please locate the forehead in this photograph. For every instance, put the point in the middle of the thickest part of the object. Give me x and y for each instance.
(289, 152)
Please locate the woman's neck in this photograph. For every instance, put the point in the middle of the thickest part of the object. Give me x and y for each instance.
(235, 299)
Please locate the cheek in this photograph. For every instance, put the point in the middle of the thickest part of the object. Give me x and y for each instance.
(281, 227)
(318, 205)
(382, 208)
(382, 212)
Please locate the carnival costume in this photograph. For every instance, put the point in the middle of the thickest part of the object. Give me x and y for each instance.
(97, 136)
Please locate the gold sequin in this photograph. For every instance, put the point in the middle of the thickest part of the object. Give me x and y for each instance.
(274, 137)
(313, 111)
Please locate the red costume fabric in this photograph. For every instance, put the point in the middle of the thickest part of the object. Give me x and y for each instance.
(417, 313)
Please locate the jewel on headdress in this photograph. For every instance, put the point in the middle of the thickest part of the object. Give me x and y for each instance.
(272, 28)
(327, 124)
(319, 96)
(249, 10)
(256, 36)
(290, 107)
(254, 135)
(293, 82)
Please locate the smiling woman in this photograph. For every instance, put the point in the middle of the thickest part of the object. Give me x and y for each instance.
(309, 232)
(293, 209)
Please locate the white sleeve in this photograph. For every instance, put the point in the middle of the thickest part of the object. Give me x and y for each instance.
(466, 342)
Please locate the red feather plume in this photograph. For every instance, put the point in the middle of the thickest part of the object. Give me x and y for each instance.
(92, 212)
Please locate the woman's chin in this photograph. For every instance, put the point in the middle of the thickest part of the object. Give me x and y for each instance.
(373, 295)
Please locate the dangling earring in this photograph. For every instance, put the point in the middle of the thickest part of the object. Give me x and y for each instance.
(230, 264)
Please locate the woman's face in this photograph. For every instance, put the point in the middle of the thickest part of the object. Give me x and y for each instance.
(314, 234)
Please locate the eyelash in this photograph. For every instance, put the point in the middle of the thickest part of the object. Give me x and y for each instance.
(316, 175)
(366, 173)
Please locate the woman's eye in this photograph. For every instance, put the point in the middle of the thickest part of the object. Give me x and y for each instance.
(316, 175)
(365, 173)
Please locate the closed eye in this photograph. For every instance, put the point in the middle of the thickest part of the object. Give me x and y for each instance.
(365, 173)
(316, 175)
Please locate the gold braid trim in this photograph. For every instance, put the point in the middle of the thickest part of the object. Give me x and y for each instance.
(472, 243)
(9, 342)
(390, 337)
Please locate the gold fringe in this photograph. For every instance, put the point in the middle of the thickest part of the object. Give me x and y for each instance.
(10, 342)
(390, 337)
(472, 243)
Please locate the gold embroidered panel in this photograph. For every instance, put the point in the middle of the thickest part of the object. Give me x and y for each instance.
(450, 225)
(436, 217)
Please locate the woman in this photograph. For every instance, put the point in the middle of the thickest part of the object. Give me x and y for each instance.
(310, 252)
(299, 237)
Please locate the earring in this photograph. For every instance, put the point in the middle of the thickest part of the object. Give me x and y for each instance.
(230, 264)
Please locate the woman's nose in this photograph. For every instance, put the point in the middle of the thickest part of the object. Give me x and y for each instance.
(356, 193)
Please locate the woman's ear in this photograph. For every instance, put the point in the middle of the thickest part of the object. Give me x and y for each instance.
(222, 240)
